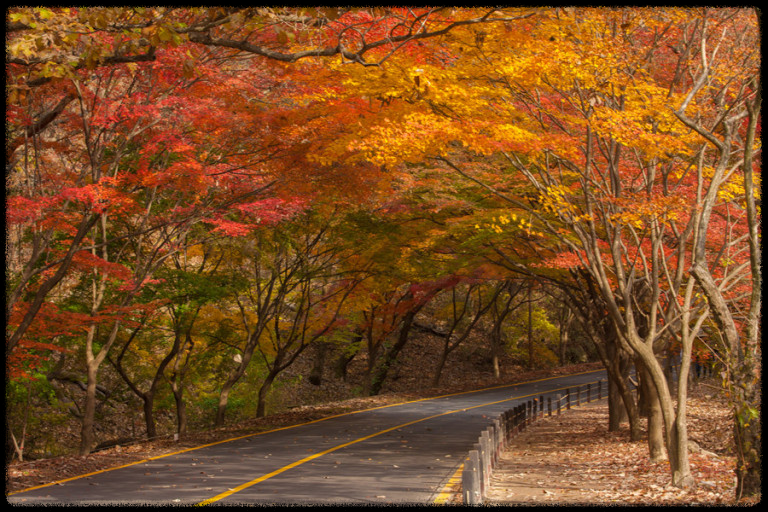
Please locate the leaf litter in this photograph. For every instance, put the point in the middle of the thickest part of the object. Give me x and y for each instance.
(574, 459)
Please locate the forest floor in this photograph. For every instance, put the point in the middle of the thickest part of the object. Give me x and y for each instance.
(567, 459)
(573, 459)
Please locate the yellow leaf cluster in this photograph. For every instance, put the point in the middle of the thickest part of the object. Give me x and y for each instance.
(407, 139)
(509, 223)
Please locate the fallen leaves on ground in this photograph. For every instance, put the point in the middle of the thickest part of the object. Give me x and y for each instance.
(573, 459)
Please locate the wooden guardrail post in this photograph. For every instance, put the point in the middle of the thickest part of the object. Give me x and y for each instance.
(470, 479)
(493, 439)
(480, 466)
(493, 444)
(515, 420)
(485, 461)
(523, 417)
(489, 460)
(500, 434)
(528, 412)
(486, 453)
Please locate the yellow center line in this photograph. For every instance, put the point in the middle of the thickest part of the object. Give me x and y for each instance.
(292, 465)
(59, 482)
(244, 486)
(452, 483)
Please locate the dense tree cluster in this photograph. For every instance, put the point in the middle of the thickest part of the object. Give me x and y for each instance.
(196, 197)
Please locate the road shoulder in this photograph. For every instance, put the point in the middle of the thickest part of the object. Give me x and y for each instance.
(572, 459)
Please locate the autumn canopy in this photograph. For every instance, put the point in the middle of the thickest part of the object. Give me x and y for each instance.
(198, 197)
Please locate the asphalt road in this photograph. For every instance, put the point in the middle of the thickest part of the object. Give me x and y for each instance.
(397, 454)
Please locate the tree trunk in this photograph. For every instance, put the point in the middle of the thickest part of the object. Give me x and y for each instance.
(87, 438)
(747, 430)
(499, 314)
(261, 405)
(176, 381)
(673, 422)
(226, 389)
(346, 357)
(10, 448)
(380, 374)
(148, 399)
(234, 376)
(744, 386)
(530, 325)
(617, 411)
(340, 368)
(496, 348)
(440, 365)
(630, 406)
(617, 362)
(181, 410)
(564, 334)
(495, 364)
(656, 448)
(318, 364)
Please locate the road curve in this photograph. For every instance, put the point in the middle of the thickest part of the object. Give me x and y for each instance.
(402, 454)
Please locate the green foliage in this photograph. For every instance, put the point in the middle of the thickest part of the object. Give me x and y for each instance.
(32, 406)
(516, 328)
(545, 336)
(193, 288)
(18, 390)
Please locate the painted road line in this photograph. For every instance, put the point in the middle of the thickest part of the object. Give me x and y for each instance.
(179, 452)
(246, 485)
(449, 490)
(231, 439)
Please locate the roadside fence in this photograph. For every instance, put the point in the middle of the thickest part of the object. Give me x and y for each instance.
(483, 458)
